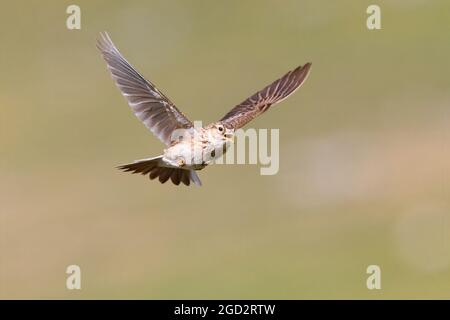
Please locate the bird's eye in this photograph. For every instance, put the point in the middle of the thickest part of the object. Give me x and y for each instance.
(220, 128)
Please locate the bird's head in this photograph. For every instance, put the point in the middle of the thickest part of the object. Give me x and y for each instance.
(219, 132)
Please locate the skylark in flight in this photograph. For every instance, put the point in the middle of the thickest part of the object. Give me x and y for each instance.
(188, 148)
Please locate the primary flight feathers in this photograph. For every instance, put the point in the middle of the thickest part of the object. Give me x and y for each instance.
(262, 100)
(161, 116)
(151, 106)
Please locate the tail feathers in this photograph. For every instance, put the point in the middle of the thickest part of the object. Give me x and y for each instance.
(155, 168)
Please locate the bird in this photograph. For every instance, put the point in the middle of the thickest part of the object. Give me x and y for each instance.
(189, 148)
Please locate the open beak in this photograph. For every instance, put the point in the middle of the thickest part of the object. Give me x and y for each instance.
(228, 136)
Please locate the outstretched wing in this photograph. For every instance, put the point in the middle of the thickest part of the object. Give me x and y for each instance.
(154, 109)
(262, 100)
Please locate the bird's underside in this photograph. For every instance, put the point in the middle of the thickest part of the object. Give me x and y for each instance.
(166, 121)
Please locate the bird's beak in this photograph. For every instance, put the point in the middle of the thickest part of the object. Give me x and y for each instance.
(229, 136)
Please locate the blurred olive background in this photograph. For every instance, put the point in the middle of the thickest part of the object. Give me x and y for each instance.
(364, 152)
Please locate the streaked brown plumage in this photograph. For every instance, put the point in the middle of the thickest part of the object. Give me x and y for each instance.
(262, 100)
(163, 119)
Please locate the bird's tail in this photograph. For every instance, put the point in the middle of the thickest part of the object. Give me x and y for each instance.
(155, 167)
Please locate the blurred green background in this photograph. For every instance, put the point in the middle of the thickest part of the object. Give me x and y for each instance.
(364, 152)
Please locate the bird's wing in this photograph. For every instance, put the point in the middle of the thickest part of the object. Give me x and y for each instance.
(154, 109)
(262, 100)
